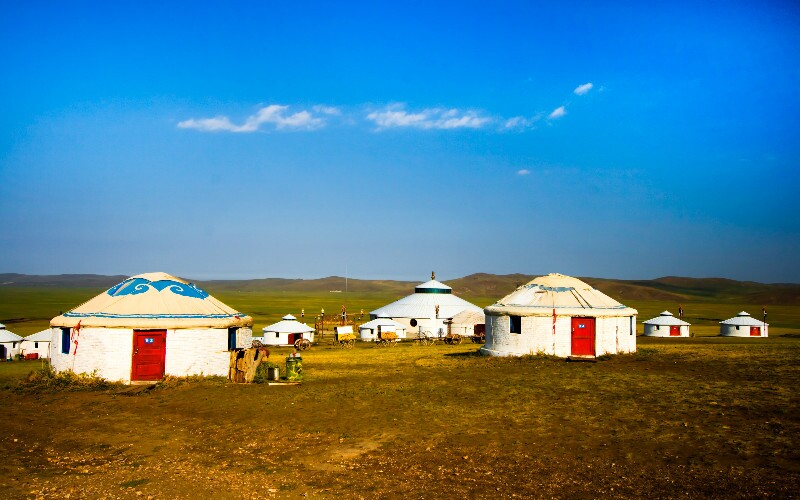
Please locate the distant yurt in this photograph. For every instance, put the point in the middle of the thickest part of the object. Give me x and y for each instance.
(369, 330)
(559, 315)
(287, 331)
(666, 325)
(743, 325)
(426, 309)
(37, 343)
(9, 343)
(146, 327)
(467, 323)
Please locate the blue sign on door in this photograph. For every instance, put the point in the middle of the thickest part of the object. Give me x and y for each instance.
(149, 340)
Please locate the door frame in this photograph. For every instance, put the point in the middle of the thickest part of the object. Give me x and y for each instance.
(163, 333)
(593, 321)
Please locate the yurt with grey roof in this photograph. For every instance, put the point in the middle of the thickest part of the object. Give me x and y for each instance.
(561, 316)
(743, 325)
(666, 325)
(146, 327)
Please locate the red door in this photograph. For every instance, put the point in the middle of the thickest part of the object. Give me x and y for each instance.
(674, 331)
(291, 338)
(149, 352)
(755, 331)
(583, 336)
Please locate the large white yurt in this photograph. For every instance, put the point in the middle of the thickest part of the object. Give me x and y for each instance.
(37, 343)
(426, 309)
(287, 331)
(467, 323)
(9, 343)
(666, 325)
(559, 315)
(743, 325)
(146, 327)
(369, 330)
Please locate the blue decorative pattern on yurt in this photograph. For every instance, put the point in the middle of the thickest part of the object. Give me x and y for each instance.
(71, 314)
(135, 286)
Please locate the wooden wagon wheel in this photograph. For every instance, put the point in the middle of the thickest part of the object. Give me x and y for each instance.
(302, 344)
(350, 343)
(458, 339)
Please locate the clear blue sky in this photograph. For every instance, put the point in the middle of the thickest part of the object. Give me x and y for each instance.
(607, 139)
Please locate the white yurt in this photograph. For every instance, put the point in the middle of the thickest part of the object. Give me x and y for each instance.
(426, 309)
(146, 327)
(743, 325)
(467, 322)
(9, 343)
(369, 330)
(666, 325)
(37, 343)
(287, 331)
(559, 315)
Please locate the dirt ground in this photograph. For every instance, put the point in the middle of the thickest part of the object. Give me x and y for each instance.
(681, 418)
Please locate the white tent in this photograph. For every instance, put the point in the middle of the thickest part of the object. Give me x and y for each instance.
(559, 315)
(9, 343)
(369, 330)
(743, 325)
(146, 327)
(426, 309)
(666, 325)
(466, 322)
(286, 332)
(37, 343)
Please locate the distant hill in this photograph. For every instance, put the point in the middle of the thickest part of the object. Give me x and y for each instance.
(670, 288)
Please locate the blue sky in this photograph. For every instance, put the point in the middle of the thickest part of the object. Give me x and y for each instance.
(610, 139)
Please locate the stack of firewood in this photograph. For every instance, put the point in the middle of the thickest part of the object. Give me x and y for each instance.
(244, 363)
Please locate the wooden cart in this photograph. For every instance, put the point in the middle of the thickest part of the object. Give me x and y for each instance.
(344, 337)
(386, 339)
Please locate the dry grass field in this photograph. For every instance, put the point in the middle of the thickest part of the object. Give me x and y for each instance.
(697, 417)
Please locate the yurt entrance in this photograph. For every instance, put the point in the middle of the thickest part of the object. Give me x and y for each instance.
(149, 353)
(583, 336)
(755, 331)
(674, 331)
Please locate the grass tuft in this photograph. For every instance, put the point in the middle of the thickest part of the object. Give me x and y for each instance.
(46, 379)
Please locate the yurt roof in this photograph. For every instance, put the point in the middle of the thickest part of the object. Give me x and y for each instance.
(469, 317)
(564, 294)
(153, 300)
(2, 326)
(288, 324)
(43, 336)
(666, 318)
(7, 336)
(743, 319)
(375, 323)
(422, 303)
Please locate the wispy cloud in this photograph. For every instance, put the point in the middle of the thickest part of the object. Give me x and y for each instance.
(521, 122)
(273, 114)
(583, 89)
(327, 110)
(396, 115)
(557, 113)
(524, 171)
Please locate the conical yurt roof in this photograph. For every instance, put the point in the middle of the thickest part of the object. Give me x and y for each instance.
(288, 324)
(43, 336)
(666, 318)
(422, 303)
(382, 321)
(567, 295)
(8, 336)
(743, 319)
(153, 300)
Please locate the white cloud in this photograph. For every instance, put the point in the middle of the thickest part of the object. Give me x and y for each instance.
(583, 89)
(273, 114)
(327, 110)
(558, 113)
(396, 115)
(524, 171)
(521, 122)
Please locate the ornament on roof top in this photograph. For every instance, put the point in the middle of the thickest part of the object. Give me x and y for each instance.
(433, 275)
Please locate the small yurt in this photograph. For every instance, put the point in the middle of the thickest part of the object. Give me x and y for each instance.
(743, 325)
(426, 309)
(38, 343)
(146, 327)
(467, 323)
(666, 325)
(9, 343)
(287, 331)
(559, 315)
(369, 330)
